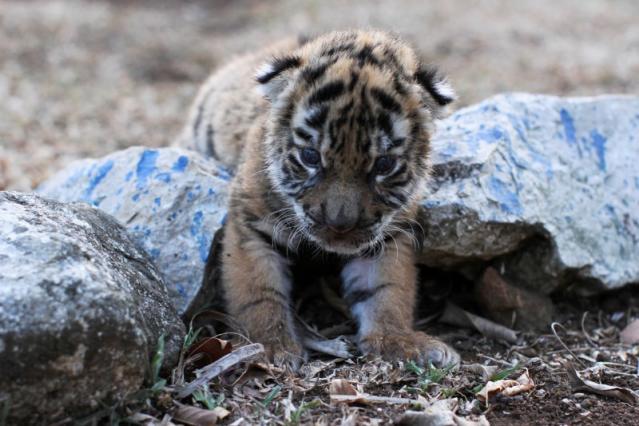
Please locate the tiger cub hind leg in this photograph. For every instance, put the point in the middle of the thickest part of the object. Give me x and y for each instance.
(381, 294)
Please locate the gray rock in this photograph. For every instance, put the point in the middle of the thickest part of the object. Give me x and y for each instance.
(545, 187)
(171, 201)
(81, 310)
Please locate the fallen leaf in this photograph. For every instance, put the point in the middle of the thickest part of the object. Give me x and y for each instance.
(341, 387)
(439, 413)
(580, 384)
(257, 370)
(454, 315)
(630, 334)
(195, 416)
(506, 387)
(209, 350)
(510, 305)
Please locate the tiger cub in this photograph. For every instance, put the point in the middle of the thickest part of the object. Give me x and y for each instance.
(332, 153)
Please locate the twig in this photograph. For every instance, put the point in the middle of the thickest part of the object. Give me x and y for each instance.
(208, 373)
(498, 361)
(561, 342)
(583, 330)
(364, 397)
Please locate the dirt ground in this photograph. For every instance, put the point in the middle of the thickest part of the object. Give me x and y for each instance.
(85, 78)
(585, 338)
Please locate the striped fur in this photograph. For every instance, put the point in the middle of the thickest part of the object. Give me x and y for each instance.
(332, 153)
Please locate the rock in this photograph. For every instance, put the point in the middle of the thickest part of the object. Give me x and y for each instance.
(81, 310)
(546, 188)
(171, 201)
(630, 334)
(543, 188)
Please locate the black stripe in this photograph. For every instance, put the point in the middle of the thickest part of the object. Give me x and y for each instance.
(302, 134)
(296, 164)
(318, 118)
(385, 100)
(279, 65)
(200, 112)
(312, 74)
(210, 145)
(399, 86)
(327, 92)
(359, 296)
(365, 56)
(384, 122)
(399, 197)
(427, 78)
(346, 47)
(397, 172)
(353, 82)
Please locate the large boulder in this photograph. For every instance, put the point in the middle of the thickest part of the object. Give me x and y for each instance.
(171, 201)
(545, 188)
(81, 310)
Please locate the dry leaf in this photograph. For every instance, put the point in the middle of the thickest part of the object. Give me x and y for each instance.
(579, 384)
(454, 315)
(630, 334)
(439, 413)
(341, 387)
(257, 370)
(195, 416)
(209, 350)
(147, 420)
(506, 387)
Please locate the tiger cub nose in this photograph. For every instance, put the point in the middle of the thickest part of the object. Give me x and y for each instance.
(342, 222)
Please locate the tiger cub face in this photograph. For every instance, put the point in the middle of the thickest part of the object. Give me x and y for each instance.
(348, 135)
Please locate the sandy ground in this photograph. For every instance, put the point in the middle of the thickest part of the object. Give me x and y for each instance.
(84, 78)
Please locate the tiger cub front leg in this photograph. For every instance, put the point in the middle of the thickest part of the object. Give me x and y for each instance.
(381, 293)
(257, 284)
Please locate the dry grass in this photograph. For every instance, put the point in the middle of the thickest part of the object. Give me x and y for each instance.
(84, 78)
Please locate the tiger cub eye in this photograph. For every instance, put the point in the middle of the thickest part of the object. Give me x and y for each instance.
(311, 157)
(384, 164)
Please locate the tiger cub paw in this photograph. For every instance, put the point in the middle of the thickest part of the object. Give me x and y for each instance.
(414, 346)
(286, 354)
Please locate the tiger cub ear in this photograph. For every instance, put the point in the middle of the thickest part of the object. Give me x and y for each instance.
(439, 90)
(273, 76)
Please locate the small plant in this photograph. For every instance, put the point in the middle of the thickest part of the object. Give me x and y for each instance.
(191, 337)
(271, 396)
(4, 411)
(502, 374)
(204, 397)
(429, 375)
(296, 415)
(499, 375)
(158, 383)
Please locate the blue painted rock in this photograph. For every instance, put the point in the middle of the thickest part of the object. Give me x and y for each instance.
(81, 310)
(171, 201)
(546, 188)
